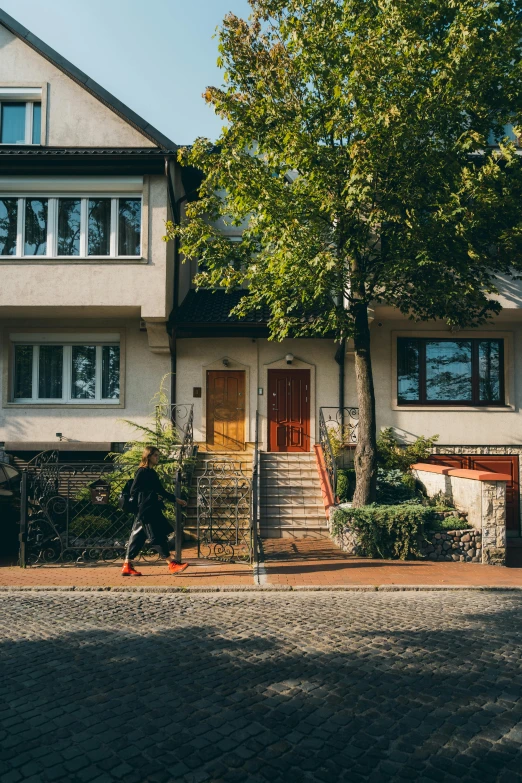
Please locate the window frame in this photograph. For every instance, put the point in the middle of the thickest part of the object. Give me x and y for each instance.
(62, 336)
(29, 121)
(52, 226)
(475, 401)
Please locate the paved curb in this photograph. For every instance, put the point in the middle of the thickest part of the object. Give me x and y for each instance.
(261, 589)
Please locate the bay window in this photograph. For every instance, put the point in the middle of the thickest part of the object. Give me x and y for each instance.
(70, 227)
(66, 373)
(450, 371)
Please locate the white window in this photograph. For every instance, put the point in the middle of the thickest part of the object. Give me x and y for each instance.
(47, 371)
(20, 115)
(72, 226)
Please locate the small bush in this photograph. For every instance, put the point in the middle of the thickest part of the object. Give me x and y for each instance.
(392, 456)
(449, 523)
(394, 487)
(384, 531)
(345, 484)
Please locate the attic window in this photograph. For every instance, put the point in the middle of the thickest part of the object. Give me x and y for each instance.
(20, 115)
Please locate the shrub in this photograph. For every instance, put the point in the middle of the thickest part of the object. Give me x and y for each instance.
(394, 487)
(448, 523)
(384, 531)
(345, 484)
(392, 456)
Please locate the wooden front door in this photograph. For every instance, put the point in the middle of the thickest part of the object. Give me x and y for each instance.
(226, 409)
(494, 464)
(289, 410)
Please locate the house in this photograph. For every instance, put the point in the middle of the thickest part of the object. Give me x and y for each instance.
(463, 386)
(86, 186)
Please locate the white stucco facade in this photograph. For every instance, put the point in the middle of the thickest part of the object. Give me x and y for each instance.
(123, 300)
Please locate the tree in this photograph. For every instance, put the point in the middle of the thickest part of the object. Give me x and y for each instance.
(356, 155)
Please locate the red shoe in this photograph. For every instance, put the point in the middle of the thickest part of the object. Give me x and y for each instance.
(177, 568)
(128, 570)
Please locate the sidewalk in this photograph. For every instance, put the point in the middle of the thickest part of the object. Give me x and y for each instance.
(287, 564)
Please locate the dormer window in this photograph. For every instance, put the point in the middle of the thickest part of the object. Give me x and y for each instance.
(20, 115)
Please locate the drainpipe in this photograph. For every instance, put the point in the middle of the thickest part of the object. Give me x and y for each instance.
(176, 217)
(340, 355)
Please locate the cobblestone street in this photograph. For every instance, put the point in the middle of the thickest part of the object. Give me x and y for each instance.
(260, 687)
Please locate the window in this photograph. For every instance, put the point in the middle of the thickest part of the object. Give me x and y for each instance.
(70, 227)
(71, 373)
(20, 122)
(450, 372)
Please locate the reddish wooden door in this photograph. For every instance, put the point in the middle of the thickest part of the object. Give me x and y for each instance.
(226, 409)
(289, 410)
(495, 464)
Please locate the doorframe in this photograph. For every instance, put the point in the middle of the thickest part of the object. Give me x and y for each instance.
(233, 365)
(281, 364)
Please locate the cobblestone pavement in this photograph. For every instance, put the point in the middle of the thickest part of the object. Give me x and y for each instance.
(260, 687)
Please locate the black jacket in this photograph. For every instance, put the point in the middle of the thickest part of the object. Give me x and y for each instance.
(148, 487)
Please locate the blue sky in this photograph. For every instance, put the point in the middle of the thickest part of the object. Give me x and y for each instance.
(156, 56)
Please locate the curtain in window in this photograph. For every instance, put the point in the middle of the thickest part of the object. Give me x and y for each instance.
(99, 238)
(129, 225)
(37, 123)
(448, 370)
(23, 372)
(35, 227)
(111, 372)
(83, 379)
(8, 226)
(69, 220)
(50, 372)
(13, 123)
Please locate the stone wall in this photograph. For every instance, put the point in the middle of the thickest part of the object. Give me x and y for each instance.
(479, 493)
(453, 545)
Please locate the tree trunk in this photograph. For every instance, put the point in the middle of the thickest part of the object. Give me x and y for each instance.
(366, 451)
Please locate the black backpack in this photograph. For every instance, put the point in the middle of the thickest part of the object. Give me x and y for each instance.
(126, 501)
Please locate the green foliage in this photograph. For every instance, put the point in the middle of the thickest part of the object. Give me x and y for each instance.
(392, 456)
(384, 531)
(345, 484)
(161, 433)
(394, 487)
(448, 523)
(352, 131)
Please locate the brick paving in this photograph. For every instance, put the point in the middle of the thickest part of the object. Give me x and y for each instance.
(321, 563)
(248, 688)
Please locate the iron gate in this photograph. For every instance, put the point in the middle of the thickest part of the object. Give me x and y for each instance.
(70, 514)
(224, 508)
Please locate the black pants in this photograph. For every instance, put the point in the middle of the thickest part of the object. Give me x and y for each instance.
(140, 533)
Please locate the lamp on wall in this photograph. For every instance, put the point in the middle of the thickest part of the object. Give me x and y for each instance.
(226, 363)
(289, 358)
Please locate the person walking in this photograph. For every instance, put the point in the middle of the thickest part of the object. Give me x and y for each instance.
(150, 523)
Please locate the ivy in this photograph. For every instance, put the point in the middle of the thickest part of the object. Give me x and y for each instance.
(384, 531)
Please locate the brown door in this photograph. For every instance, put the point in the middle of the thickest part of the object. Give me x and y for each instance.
(226, 409)
(289, 410)
(494, 464)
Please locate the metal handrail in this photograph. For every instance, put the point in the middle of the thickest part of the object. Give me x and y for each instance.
(256, 479)
(331, 419)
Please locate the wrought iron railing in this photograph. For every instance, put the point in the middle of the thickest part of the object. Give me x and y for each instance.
(181, 416)
(255, 513)
(338, 429)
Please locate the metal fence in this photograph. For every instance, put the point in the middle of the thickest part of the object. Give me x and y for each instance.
(338, 429)
(224, 512)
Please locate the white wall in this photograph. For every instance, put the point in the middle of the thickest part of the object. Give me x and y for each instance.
(195, 357)
(74, 118)
(459, 426)
(143, 373)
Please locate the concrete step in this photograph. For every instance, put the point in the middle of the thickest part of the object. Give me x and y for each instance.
(291, 492)
(281, 481)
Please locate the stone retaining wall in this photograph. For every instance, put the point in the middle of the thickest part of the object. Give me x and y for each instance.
(453, 545)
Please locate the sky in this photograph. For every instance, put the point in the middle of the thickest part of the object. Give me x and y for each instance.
(157, 56)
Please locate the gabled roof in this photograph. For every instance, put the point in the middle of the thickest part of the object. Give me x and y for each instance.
(86, 82)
